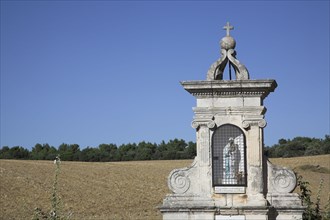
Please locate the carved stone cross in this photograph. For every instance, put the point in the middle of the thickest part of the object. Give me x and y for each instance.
(228, 28)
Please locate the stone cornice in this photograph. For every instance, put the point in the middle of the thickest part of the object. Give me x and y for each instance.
(230, 88)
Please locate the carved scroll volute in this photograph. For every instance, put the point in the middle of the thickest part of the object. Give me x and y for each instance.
(211, 124)
(195, 124)
(179, 181)
(281, 180)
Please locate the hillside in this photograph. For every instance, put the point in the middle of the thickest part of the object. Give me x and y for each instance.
(116, 190)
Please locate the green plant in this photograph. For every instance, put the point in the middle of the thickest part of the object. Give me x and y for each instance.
(55, 197)
(312, 211)
(326, 215)
(54, 213)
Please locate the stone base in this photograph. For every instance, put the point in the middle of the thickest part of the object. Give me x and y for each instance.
(215, 213)
(194, 207)
(239, 200)
(186, 207)
(284, 200)
(285, 214)
(178, 202)
(188, 214)
(285, 206)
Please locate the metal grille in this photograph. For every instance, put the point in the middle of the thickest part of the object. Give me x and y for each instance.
(228, 150)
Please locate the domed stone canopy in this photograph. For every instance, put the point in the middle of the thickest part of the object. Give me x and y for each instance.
(228, 55)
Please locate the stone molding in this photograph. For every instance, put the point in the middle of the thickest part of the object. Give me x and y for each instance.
(209, 112)
(230, 88)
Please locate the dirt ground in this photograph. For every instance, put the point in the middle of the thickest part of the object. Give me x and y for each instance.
(115, 190)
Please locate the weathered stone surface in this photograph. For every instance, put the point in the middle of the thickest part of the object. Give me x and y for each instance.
(192, 186)
(280, 179)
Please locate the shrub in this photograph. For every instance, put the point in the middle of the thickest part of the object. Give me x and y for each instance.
(312, 211)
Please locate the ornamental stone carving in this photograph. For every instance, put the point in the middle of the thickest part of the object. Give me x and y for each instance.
(179, 181)
(281, 180)
(228, 55)
(216, 70)
(262, 123)
(245, 124)
(195, 124)
(211, 124)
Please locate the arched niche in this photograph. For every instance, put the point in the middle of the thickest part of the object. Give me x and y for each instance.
(228, 156)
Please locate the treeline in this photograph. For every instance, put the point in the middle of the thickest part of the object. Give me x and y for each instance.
(299, 146)
(173, 149)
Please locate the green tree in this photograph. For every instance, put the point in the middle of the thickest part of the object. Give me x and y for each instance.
(16, 152)
(40, 151)
(90, 154)
(20, 153)
(4, 153)
(190, 150)
(107, 152)
(127, 151)
(325, 148)
(145, 151)
(299, 146)
(69, 152)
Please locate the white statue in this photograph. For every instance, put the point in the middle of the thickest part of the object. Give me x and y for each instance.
(230, 152)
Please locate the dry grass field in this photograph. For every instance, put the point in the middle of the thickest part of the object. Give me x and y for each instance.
(121, 190)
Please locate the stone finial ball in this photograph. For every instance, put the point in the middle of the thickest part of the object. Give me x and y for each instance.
(227, 43)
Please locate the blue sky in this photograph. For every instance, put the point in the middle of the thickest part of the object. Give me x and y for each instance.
(92, 72)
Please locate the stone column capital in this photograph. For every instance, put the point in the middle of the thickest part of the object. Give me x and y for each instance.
(197, 123)
(247, 123)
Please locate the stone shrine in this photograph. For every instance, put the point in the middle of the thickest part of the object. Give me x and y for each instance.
(230, 178)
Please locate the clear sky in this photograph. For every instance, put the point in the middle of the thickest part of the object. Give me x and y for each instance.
(92, 72)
